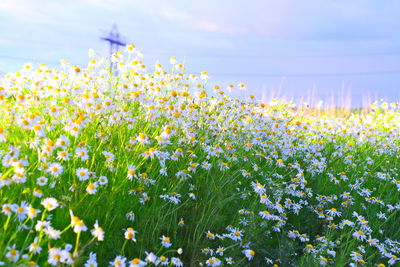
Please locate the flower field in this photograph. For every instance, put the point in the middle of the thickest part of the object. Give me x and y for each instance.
(122, 166)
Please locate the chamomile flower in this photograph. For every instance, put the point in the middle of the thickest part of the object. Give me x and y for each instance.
(162, 260)
(103, 180)
(82, 153)
(54, 256)
(7, 209)
(92, 261)
(34, 246)
(97, 232)
(109, 156)
(165, 241)
(92, 188)
(176, 262)
(249, 253)
(132, 172)
(130, 234)
(82, 173)
(130, 216)
(12, 254)
(142, 138)
(210, 235)
(50, 203)
(136, 262)
(63, 155)
(55, 169)
(213, 262)
(360, 235)
(119, 261)
(42, 181)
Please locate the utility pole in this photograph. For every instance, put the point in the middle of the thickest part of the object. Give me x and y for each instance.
(114, 40)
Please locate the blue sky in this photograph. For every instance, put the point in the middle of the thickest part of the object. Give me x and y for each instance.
(298, 49)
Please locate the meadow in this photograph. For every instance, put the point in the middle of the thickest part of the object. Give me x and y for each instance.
(119, 166)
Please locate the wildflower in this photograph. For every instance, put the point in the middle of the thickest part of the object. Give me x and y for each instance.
(130, 233)
(97, 232)
(21, 211)
(220, 251)
(92, 188)
(280, 163)
(213, 262)
(63, 155)
(136, 262)
(54, 256)
(206, 166)
(91, 262)
(103, 180)
(32, 212)
(210, 235)
(355, 256)
(323, 261)
(34, 246)
(309, 248)
(37, 192)
(131, 172)
(52, 233)
(12, 254)
(55, 169)
(130, 216)
(42, 181)
(82, 153)
(165, 241)
(267, 215)
(50, 203)
(162, 260)
(119, 261)
(229, 261)
(249, 253)
(258, 188)
(176, 262)
(236, 234)
(109, 156)
(360, 235)
(62, 142)
(82, 173)
(142, 138)
(151, 258)
(223, 166)
(77, 224)
(393, 259)
(333, 212)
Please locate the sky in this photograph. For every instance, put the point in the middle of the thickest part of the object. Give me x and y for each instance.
(339, 51)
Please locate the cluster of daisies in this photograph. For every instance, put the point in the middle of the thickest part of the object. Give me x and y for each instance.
(115, 165)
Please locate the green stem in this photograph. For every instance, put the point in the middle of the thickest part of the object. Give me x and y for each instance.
(123, 246)
(77, 244)
(6, 224)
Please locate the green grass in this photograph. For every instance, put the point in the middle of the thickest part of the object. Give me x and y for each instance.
(259, 144)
